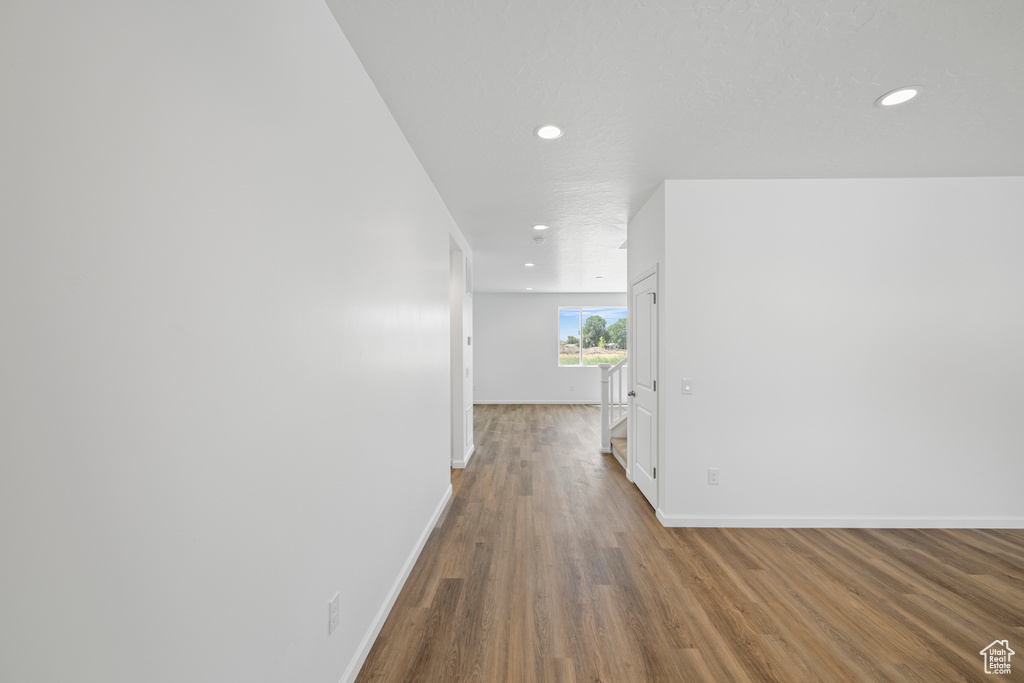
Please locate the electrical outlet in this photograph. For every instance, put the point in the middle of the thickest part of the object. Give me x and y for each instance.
(713, 476)
(572, 387)
(333, 614)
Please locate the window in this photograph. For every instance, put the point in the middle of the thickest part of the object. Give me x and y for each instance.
(588, 336)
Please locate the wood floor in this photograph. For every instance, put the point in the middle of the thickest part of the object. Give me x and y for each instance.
(620, 447)
(550, 566)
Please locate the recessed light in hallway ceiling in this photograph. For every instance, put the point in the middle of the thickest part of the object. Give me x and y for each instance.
(540, 227)
(898, 96)
(548, 132)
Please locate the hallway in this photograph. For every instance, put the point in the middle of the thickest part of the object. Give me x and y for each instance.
(550, 566)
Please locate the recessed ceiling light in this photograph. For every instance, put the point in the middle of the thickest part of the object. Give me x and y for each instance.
(540, 227)
(528, 265)
(548, 132)
(897, 96)
(529, 288)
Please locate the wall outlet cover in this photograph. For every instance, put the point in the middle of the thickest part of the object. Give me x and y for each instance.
(333, 614)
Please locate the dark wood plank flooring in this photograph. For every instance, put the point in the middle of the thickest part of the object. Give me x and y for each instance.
(548, 565)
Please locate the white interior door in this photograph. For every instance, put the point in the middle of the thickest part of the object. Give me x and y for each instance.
(643, 366)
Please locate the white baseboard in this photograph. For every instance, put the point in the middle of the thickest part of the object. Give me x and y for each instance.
(838, 522)
(539, 402)
(461, 464)
(382, 614)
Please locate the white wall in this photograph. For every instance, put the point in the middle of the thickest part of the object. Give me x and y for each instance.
(516, 352)
(856, 352)
(216, 248)
(646, 236)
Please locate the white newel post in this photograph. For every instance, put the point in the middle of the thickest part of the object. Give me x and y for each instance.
(606, 429)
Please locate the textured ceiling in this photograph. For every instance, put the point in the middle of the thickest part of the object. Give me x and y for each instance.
(649, 90)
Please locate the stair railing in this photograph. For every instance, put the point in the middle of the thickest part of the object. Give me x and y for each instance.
(613, 405)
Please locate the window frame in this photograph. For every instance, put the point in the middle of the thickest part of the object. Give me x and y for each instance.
(580, 310)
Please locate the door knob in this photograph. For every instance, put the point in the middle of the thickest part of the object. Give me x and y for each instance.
(632, 393)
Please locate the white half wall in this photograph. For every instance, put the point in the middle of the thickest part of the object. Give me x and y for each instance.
(855, 348)
(516, 353)
(224, 282)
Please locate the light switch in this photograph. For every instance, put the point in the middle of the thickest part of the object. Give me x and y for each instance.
(687, 386)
